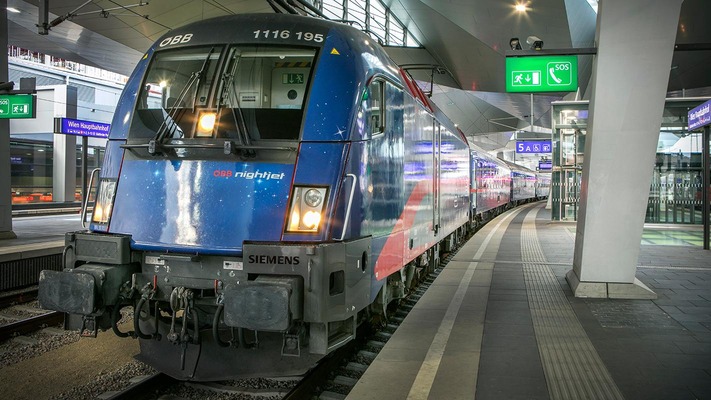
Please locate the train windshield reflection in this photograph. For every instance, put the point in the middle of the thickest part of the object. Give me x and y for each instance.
(255, 92)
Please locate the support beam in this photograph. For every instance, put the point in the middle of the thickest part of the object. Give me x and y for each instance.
(706, 186)
(5, 188)
(43, 18)
(630, 74)
(65, 150)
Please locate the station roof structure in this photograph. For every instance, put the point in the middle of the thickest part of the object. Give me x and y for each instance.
(467, 39)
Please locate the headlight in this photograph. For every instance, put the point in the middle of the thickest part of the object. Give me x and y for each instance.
(206, 124)
(313, 197)
(306, 211)
(104, 202)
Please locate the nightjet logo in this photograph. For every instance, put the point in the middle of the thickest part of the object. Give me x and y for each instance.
(249, 175)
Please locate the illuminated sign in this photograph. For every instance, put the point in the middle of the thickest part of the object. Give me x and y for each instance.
(530, 147)
(545, 165)
(13, 106)
(700, 116)
(542, 74)
(77, 127)
(292, 79)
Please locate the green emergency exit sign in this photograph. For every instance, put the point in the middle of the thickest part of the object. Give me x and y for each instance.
(542, 74)
(17, 106)
(292, 79)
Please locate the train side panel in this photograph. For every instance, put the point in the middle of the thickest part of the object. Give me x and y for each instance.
(543, 184)
(493, 183)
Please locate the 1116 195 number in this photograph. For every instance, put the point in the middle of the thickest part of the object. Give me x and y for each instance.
(286, 34)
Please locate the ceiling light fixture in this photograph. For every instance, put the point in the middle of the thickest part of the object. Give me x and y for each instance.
(13, 10)
(520, 7)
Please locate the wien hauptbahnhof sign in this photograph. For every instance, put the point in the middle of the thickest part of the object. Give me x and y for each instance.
(78, 127)
(700, 116)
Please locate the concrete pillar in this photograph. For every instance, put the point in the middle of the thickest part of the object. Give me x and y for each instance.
(65, 150)
(5, 189)
(635, 40)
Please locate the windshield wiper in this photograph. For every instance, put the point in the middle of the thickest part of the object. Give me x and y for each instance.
(174, 109)
(236, 108)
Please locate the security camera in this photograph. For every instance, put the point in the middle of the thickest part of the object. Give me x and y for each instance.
(535, 42)
(6, 87)
(515, 44)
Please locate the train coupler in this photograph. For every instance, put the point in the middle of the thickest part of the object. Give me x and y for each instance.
(291, 344)
(181, 299)
(88, 326)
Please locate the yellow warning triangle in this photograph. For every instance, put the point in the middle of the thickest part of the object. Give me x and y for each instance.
(335, 52)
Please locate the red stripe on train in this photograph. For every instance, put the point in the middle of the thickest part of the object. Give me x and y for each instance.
(391, 257)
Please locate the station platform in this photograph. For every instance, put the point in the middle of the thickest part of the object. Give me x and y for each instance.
(500, 322)
(38, 235)
(39, 245)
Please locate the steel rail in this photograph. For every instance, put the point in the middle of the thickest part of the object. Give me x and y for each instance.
(18, 298)
(30, 324)
(144, 388)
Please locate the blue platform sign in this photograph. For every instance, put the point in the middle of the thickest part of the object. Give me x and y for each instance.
(700, 116)
(78, 127)
(533, 146)
(545, 165)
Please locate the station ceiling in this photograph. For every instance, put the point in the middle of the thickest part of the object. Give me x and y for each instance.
(469, 38)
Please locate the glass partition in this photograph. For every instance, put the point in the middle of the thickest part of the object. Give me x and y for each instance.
(675, 195)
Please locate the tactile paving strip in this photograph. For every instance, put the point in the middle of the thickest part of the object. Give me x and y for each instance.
(572, 367)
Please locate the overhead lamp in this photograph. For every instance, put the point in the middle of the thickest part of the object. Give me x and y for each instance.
(515, 44)
(13, 10)
(535, 42)
(520, 7)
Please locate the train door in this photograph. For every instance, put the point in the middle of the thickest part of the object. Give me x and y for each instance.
(436, 167)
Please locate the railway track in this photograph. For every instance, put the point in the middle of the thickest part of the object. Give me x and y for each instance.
(29, 324)
(18, 297)
(142, 388)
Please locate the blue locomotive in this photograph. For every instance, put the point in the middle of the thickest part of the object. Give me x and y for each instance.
(270, 182)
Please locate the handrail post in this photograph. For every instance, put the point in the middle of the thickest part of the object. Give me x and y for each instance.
(85, 202)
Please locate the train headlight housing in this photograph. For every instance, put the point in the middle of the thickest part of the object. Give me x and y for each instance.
(104, 202)
(313, 197)
(306, 211)
(206, 124)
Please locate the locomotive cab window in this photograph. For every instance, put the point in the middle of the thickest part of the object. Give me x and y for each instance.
(177, 82)
(239, 93)
(265, 89)
(374, 107)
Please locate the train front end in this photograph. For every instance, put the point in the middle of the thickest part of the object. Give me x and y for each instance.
(221, 206)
